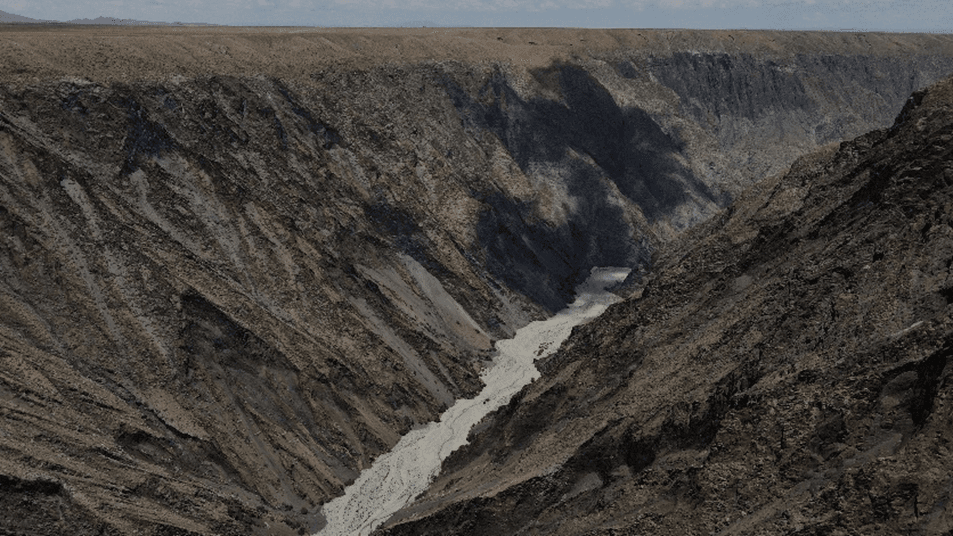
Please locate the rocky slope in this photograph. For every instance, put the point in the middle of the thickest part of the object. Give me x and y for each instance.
(785, 370)
(238, 264)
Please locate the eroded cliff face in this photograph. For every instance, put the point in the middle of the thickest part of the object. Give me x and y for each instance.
(227, 287)
(786, 369)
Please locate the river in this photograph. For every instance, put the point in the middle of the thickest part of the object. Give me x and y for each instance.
(398, 476)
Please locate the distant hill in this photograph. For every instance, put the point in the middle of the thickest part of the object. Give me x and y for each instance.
(113, 21)
(10, 17)
(132, 22)
(418, 24)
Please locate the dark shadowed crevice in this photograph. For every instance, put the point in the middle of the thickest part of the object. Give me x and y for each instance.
(546, 262)
(627, 145)
(329, 137)
(406, 234)
(929, 376)
(144, 137)
(589, 139)
(10, 484)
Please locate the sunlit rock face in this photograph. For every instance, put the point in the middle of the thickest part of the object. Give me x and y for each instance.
(237, 267)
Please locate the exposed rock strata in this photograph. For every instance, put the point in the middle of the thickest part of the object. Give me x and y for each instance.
(786, 370)
(237, 264)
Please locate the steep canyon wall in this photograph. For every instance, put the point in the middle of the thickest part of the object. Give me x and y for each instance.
(784, 370)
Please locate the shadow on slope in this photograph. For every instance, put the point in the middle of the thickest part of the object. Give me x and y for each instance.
(597, 148)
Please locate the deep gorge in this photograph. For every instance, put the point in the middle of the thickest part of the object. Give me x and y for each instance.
(230, 284)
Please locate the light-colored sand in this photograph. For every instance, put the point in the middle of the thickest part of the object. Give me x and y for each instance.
(403, 473)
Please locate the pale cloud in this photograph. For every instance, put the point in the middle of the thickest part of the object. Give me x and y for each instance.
(591, 4)
(544, 5)
(495, 5)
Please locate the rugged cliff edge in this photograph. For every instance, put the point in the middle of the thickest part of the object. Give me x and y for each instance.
(784, 371)
(238, 264)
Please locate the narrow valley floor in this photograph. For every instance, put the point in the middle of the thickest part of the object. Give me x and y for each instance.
(398, 476)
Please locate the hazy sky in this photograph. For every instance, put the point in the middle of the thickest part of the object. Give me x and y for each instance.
(892, 15)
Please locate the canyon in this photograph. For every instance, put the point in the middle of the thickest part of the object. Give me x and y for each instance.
(783, 370)
(238, 265)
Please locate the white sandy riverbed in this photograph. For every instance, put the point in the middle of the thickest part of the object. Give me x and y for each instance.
(398, 476)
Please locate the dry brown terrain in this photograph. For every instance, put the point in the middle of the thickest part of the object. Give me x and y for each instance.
(237, 264)
(106, 54)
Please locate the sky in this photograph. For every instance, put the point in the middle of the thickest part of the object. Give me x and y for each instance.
(859, 15)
